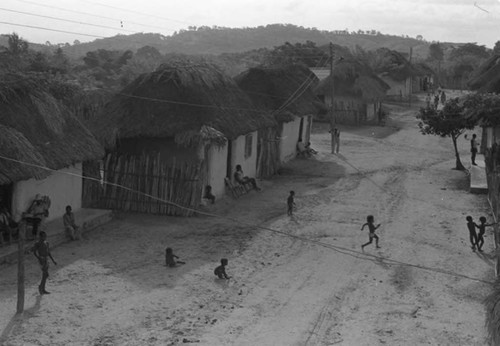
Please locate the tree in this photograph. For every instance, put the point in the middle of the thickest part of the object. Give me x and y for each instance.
(496, 49)
(450, 121)
(17, 46)
(419, 37)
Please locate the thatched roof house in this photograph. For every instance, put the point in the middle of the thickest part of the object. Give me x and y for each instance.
(352, 79)
(487, 77)
(37, 128)
(178, 100)
(286, 91)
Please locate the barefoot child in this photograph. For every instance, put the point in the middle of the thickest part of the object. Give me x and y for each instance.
(170, 258)
(41, 251)
(371, 228)
(482, 229)
(471, 225)
(290, 203)
(220, 271)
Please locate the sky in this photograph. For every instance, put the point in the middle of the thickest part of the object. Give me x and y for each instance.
(59, 21)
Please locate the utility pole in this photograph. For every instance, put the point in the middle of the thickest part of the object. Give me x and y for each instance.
(410, 87)
(20, 267)
(332, 110)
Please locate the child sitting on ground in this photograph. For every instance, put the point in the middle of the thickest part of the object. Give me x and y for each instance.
(220, 271)
(170, 258)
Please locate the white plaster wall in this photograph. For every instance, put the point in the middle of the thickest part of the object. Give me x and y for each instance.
(62, 188)
(289, 139)
(249, 164)
(217, 169)
(370, 111)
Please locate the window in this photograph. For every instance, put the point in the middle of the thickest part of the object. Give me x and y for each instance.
(248, 146)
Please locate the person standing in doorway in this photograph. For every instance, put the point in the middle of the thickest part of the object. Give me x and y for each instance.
(473, 149)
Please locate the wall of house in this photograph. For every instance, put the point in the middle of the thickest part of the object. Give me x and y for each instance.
(248, 164)
(62, 188)
(397, 88)
(371, 112)
(217, 169)
(290, 137)
(348, 110)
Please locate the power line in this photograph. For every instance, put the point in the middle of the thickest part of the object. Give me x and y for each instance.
(65, 20)
(96, 15)
(339, 249)
(136, 12)
(55, 30)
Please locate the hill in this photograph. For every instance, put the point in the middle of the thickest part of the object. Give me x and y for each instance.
(217, 40)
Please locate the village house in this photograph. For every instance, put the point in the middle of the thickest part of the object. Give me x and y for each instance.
(288, 93)
(173, 132)
(42, 146)
(357, 93)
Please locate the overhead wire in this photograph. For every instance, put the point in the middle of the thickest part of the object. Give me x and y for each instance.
(339, 249)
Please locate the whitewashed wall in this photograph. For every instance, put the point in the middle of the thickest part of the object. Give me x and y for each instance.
(249, 164)
(63, 189)
(290, 137)
(217, 169)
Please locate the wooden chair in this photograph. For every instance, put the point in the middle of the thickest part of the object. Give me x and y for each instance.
(236, 189)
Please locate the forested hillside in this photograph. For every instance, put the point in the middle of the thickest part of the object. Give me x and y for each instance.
(217, 40)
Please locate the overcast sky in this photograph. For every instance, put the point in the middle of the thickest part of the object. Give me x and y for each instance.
(436, 20)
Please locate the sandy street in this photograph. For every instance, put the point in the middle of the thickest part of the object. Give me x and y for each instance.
(113, 288)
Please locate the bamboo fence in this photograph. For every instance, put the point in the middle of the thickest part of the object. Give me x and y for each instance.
(145, 184)
(268, 160)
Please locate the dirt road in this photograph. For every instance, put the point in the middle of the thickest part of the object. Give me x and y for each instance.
(112, 288)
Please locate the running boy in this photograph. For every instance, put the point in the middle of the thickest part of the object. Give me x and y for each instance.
(170, 258)
(371, 228)
(220, 271)
(290, 203)
(482, 229)
(471, 225)
(41, 251)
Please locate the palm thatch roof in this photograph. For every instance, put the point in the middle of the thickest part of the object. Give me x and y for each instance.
(487, 77)
(352, 79)
(38, 128)
(177, 100)
(286, 91)
(394, 65)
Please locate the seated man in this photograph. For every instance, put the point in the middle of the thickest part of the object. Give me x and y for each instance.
(72, 230)
(38, 211)
(301, 149)
(240, 178)
(208, 194)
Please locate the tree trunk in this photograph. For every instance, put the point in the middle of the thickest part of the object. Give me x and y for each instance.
(458, 166)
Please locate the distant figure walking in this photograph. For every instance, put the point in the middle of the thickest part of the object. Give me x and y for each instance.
(290, 202)
(428, 100)
(371, 227)
(443, 97)
(436, 100)
(473, 149)
(170, 258)
(471, 225)
(220, 271)
(41, 251)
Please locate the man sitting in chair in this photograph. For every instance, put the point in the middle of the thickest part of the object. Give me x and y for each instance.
(302, 150)
(240, 178)
(37, 212)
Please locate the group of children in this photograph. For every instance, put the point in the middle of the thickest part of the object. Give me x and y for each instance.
(477, 239)
(220, 271)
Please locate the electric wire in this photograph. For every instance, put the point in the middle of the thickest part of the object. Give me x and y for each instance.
(336, 248)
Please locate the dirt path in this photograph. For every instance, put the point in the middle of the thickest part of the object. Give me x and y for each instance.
(112, 289)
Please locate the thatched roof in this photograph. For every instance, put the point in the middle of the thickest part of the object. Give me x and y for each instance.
(352, 79)
(394, 65)
(38, 128)
(487, 77)
(286, 91)
(178, 99)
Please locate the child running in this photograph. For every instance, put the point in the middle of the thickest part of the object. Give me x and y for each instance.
(170, 258)
(480, 236)
(471, 225)
(220, 271)
(290, 203)
(371, 228)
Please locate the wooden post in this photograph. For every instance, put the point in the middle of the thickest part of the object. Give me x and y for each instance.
(20, 267)
(332, 111)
